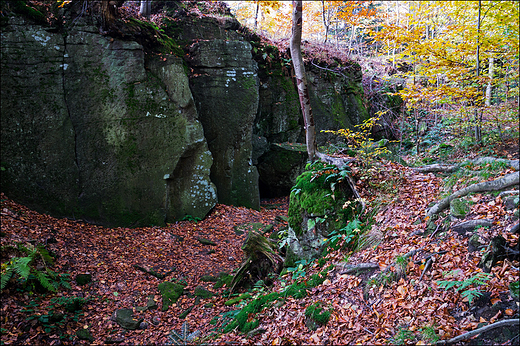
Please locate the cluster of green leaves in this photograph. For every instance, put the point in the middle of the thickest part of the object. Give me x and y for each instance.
(463, 286)
(346, 237)
(27, 271)
(58, 313)
(299, 270)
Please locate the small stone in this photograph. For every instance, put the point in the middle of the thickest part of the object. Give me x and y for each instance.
(84, 334)
(143, 325)
(83, 279)
(151, 304)
(124, 317)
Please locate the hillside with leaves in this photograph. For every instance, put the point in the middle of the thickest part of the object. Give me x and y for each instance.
(400, 283)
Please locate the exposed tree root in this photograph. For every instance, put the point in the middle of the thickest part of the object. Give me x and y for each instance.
(503, 323)
(494, 185)
(452, 168)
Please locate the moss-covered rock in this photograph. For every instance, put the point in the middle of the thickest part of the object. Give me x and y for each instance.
(459, 208)
(117, 139)
(171, 292)
(84, 334)
(202, 293)
(316, 208)
(225, 88)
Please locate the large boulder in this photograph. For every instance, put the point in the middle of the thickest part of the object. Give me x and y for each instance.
(225, 89)
(92, 129)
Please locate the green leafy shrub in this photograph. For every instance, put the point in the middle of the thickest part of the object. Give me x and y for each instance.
(462, 286)
(32, 269)
(346, 237)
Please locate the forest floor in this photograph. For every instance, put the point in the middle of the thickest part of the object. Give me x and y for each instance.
(410, 308)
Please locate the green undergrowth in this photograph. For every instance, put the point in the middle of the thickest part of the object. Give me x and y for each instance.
(243, 319)
(319, 191)
(27, 266)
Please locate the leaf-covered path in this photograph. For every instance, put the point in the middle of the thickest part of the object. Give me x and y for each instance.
(405, 306)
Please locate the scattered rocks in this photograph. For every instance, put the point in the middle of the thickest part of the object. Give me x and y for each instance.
(124, 317)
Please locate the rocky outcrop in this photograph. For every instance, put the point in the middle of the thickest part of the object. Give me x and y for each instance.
(225, 86)
(92, 129)
(96, 127)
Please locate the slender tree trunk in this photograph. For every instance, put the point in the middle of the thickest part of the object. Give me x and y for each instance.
(256, 13)
(489, 86)
(301, 80)
(146, 8)
(478, 115)
(325, 23)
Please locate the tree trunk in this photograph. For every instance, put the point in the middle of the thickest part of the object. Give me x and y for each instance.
(256, 13)
(301, 80)
(146, 8)
(325, 23)
(488, 88)
(478, 117)
(109, 11)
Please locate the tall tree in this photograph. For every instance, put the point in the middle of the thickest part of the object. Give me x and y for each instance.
(146, 8)
(301, 80)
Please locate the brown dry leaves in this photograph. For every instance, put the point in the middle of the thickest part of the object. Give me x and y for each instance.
(372, 316)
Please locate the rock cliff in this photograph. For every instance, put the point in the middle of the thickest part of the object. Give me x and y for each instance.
(95, 126)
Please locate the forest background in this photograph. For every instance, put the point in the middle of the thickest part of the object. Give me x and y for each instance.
(455, 62)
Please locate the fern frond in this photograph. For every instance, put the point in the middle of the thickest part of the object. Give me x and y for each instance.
(21, 266)
(44, 280)
(185, 330)
(5, 278)
(184, 337)
(45, 255)
(470, 294)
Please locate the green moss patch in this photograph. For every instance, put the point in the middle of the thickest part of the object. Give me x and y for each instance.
(317, 315)
(318, 192)
(171, 292)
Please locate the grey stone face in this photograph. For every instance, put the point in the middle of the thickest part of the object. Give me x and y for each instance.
(225, 89)
(94, 130)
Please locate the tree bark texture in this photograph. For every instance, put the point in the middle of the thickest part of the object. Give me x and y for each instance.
(146, 8)
(301, 80)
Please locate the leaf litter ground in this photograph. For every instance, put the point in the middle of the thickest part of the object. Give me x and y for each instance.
(373, 315)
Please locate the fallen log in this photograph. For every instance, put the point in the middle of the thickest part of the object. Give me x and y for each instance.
(493, 185)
